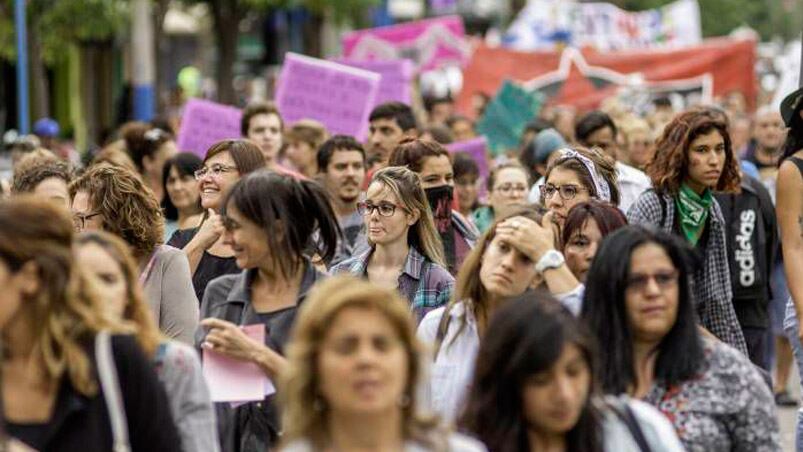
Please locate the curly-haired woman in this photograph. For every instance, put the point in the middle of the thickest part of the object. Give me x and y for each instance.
(694, 158)
(116, 200)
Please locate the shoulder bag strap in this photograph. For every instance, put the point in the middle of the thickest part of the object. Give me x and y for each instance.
(107, 373)
(622, 409)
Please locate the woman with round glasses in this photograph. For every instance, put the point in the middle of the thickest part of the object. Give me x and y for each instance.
(507, 185)
(406, 251)
(578, 175)
(693, 159)
(638, 302)
(225, 163)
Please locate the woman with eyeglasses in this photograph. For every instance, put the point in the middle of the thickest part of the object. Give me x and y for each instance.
(639, 304)
(406, 251)
(225, 163)
(508, 185)
(269, 220)
(516, 253)
(693, 159)
(115, 200)
(578, 175)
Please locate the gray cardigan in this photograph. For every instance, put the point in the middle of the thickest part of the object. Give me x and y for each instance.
(168, 289)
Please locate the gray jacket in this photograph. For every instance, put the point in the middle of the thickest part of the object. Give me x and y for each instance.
(179, 370)
(168, 289)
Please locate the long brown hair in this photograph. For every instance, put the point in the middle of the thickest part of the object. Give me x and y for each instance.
(669, 168)
(299, 384)
(136, 308)
(66, 311)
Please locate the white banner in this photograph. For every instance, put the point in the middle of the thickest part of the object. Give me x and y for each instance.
(543, 24)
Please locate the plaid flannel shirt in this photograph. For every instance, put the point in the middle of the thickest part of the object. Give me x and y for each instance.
(425, 284)
(711, 285)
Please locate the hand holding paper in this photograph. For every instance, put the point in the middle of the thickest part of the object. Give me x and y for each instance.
(230, 378)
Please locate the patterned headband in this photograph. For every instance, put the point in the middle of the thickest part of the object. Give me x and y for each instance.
(600, 184)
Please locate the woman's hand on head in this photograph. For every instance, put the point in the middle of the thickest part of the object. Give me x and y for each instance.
(530, 238)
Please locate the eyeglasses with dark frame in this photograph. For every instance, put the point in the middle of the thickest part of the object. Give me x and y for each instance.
(385, 209)
(79, 219)
(567, 192)
(216, 170)
(663, 279)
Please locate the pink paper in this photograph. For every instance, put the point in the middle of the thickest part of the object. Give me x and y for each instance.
(396, 82)
(431, 43)
(339, 96)
(204, 123)
(231, 380)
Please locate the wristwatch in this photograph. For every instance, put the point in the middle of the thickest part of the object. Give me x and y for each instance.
(551, 259)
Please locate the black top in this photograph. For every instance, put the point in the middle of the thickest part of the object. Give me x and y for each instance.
(82, 423)
(209, 267)
(254, 425)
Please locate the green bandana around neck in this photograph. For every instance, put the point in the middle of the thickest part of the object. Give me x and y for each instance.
(693, 212)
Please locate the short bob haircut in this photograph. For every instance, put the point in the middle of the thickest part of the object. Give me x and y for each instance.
(680, 354)
(411, 153)
(128, 206)
(245, 153)
(669, 167)
(300, 384)
(289, 212)
(335, 144)
(607, 216)
(186, 164)
(605, 166)
(406, 187)
(511, 352)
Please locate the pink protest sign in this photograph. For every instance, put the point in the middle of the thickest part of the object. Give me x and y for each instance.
(339, 96)
(204, 123)
(477, 148)
(430, 43)
(397, 77)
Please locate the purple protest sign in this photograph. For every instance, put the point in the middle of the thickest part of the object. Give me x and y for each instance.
(397, 76)
(204, 123)
(430, 43)
(339, 96)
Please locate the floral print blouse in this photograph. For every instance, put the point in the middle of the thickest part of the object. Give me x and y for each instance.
(728, 406)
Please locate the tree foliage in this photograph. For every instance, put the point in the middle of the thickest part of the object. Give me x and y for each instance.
(60, 23)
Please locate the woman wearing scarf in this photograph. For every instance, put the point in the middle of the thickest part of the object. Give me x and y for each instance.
(693, 159)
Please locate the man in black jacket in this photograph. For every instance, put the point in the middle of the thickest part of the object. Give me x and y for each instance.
(752, 237)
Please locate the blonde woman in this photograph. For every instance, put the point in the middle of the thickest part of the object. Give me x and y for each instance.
(107, 261)
(406, 251)
(353, 365)
(49, 319)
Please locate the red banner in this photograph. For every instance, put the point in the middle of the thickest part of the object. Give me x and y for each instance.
(584, 78)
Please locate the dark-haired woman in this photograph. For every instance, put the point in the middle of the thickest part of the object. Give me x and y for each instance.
(515, 254)
(225, 163)
(585, 227)
(535, 389)
(638, 302)
(693, 159)
(269, 222)
(789, 209)
(149, 147)
(182, 203)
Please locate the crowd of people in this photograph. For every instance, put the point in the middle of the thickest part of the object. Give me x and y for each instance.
(615, 284)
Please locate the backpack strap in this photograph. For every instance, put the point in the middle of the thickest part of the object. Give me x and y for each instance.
(440, 334)
(110, 384)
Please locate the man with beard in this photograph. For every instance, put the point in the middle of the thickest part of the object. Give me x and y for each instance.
(341, 160)
(434, 167)
(390, 123)
(769, 133)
